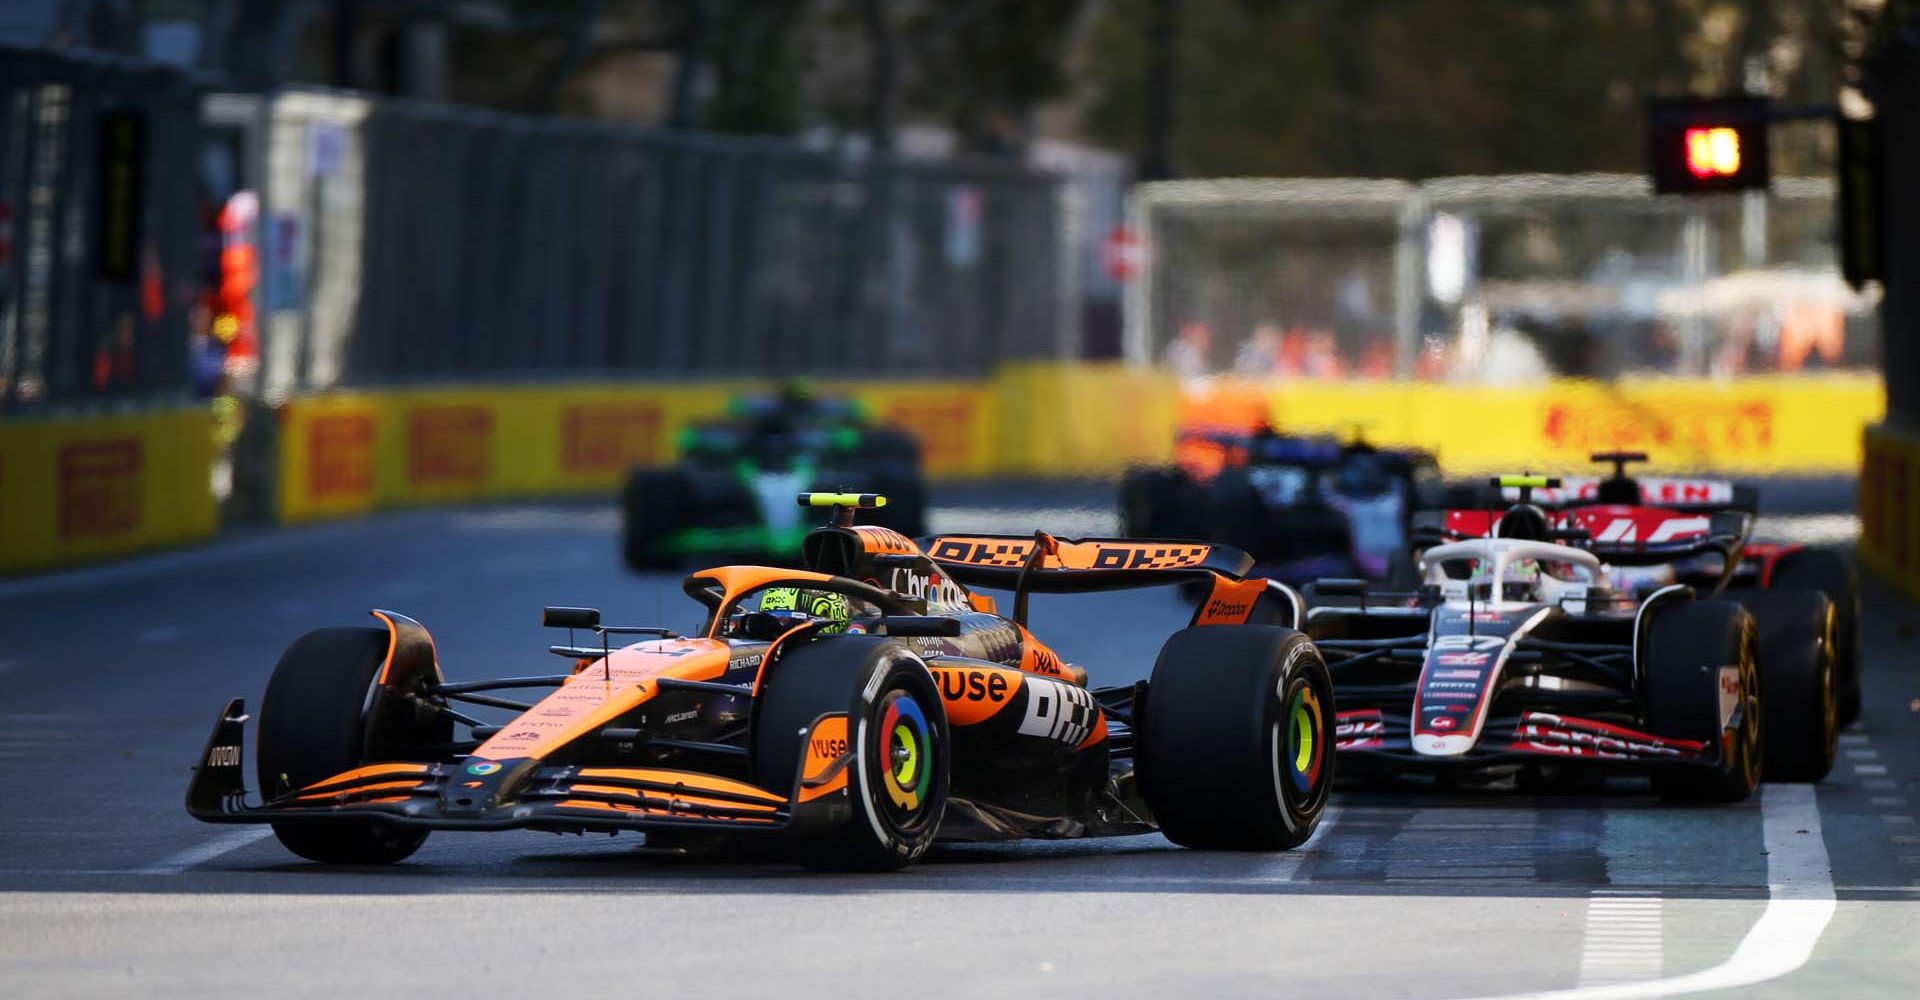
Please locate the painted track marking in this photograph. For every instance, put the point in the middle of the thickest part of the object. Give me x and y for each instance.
(1800, 904)
(200, 854)
(1286, 867)
(1624, 938)
(159, 634)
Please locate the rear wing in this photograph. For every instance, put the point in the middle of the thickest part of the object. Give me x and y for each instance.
(1081, 564)
(1703, 495)
(1621, 534)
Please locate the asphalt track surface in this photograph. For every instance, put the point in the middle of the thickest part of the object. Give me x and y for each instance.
(110, 679)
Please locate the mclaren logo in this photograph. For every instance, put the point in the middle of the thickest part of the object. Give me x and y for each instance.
(1056, 711)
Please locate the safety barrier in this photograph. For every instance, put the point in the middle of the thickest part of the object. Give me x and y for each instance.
(1890, 505)
(1772, 425)
(76, 489)
(348, 453)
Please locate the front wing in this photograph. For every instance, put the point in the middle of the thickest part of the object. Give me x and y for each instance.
(456, 796)
(1530, 737)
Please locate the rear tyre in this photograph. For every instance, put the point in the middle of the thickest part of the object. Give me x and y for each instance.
(897, 745)
(1236, 739)
(1826, 571)
(1689, 645)
(651, 507)
(313, 725)
(1795, 635)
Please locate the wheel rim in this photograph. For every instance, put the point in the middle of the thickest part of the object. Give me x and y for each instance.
(1749, 736)
(1829, 697)
(1304, 748)
(1301, 764)
(905, 756)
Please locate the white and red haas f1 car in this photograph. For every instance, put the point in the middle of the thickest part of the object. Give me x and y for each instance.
(1522, 654)
(1651, 528)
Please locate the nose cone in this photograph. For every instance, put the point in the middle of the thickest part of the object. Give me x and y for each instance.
(1428, 745)
(481, 786)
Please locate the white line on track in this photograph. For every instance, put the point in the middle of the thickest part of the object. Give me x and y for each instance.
(1623, 940)
(200, 854)
(1286, 866)
(161, 633)
(1800, 904)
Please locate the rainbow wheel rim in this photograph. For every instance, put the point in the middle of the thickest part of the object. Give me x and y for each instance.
(1305, 750)
(906, 752)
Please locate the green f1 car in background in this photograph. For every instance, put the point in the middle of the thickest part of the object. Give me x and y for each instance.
(731, 495)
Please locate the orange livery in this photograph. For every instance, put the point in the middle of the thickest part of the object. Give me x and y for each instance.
(851, 713)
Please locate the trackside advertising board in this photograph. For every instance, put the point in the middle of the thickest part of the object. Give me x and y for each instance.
(351, 452)
(1774, 425)
(78, 489)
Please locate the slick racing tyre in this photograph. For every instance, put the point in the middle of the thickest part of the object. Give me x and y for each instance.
(1826, 571)
(1795, 630)
(1150, 503)
(898, 747)
(1687, 645)
(1236, 738)
(652, 506)
(313, 725)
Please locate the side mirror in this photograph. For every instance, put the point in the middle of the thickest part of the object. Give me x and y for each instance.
(570, 617)
(1340, 587)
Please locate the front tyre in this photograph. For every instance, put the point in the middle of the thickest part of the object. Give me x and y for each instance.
(1703, 684)
(898, 748)
(313, 725)
(1236, 738)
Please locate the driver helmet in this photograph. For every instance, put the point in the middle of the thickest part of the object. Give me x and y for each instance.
(802, 605)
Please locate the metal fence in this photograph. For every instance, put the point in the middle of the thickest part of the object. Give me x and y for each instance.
(100, 257)
(406, 241)
(1492, 278)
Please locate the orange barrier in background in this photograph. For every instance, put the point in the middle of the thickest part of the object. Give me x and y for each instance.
(75, 489)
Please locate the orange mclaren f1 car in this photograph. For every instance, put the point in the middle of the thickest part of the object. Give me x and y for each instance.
(847, 716)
